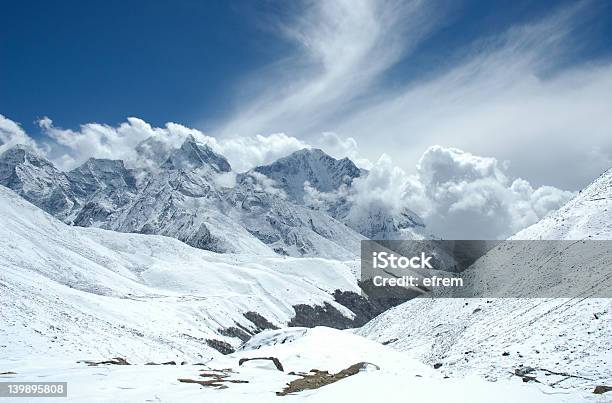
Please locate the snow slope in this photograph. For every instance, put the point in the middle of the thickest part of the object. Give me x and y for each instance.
(588, 215)
(493, 337)
(82, 292)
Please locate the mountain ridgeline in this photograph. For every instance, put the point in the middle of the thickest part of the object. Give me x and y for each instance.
(183, 193)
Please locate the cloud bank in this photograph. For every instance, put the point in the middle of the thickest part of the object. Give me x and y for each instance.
(69, 149)
(459, 195)
(465, 196)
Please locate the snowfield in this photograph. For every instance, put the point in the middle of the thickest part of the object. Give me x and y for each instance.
(87, 293)
(399, 377)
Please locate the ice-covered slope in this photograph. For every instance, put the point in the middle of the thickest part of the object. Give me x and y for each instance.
(84, 292)
(493, 337)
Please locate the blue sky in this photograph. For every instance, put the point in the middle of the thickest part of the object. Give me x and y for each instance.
(396, 77)
(105, 60)
(102, 61)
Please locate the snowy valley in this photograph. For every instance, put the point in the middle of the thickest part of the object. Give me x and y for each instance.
(171, 263)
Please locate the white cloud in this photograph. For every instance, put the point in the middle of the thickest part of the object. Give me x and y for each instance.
(459, 195)
(464, 196)
(382, 189)
(250, 151)
(70, 148)
(262, 183)
(12, 134)
(339, 147)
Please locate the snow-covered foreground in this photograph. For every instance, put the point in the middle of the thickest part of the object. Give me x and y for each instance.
(90, 293)
(400, 378)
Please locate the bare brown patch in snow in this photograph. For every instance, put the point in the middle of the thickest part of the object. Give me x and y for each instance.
(316, 379)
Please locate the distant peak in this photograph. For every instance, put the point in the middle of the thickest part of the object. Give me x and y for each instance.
(21, 153)
(93, 160)
(322, 172)
(193, 154)
(310, 152)
(22, 148)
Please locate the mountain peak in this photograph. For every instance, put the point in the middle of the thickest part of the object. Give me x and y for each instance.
(21, 153)
(310, 152)
(97, 173)
(103, 164)
(312, 165)
(193, 154)
(36, 179)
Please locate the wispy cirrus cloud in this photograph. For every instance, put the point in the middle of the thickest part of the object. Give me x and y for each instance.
(342, 48)
(522, 94)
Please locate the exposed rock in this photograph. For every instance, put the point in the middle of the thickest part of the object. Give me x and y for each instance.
(215, 383)
(275, 360)
(112, 361)
(327, 315)
(601, 389)
(237, 332)
(162, 363)
(364, 309)
(221, 346)
(523, 371)
(387, 342)
(317, 379)
(259, 321)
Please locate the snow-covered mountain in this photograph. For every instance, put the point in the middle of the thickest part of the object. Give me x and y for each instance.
(311, 170)
(564, 341)
(185, 193)
(37, 180)
(586, 216)
(312, 165)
